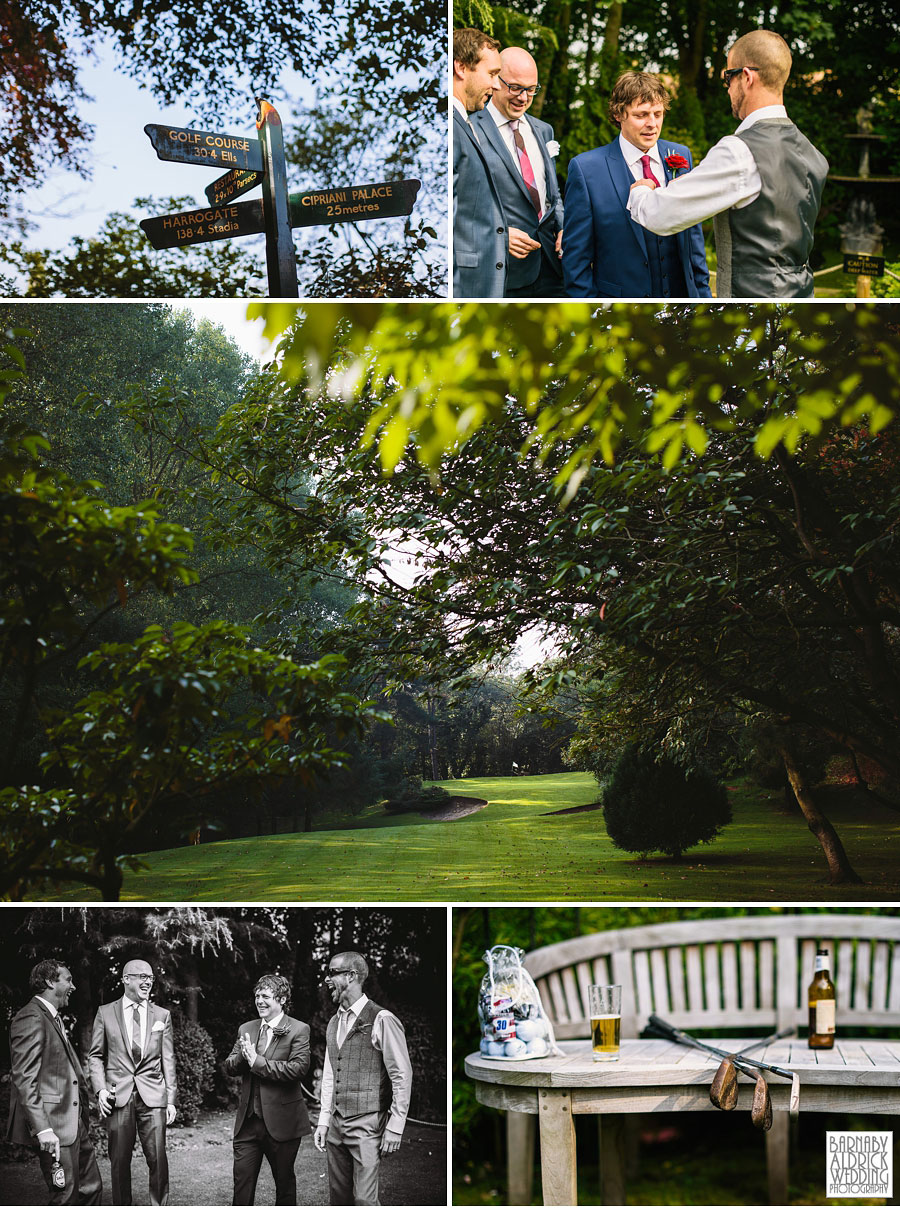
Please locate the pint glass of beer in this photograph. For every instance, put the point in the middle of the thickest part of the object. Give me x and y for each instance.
(605, 1002)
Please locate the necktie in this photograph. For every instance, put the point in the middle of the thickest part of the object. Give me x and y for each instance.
(343, 1025)
(525, 166)
(648, 171)
(263, 1038)
(135, 1033)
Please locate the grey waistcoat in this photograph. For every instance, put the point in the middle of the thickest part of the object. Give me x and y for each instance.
(361, 1082)
(763, 249)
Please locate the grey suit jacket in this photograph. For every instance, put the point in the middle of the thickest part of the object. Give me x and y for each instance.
(49, 1087)
(111, 1062)
(515, 199)
(480, 240)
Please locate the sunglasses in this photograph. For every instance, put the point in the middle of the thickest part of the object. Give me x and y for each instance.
(729, 73)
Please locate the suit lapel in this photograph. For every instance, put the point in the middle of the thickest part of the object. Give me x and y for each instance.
(56, 1027)
(622, 182)
(489, 129)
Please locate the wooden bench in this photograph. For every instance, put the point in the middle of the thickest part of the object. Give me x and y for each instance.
(748, 975)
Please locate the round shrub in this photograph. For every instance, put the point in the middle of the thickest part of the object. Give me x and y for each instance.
(195, 1066)
(650, 803)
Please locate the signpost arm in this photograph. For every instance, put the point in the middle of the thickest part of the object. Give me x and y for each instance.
(280, 261)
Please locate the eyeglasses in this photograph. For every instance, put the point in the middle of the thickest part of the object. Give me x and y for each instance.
(518, 89)
(340, 971)
(728, 73)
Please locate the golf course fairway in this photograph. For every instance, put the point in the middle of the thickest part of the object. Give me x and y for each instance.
(514, 850)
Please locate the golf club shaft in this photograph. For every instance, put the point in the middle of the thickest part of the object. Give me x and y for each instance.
(678, 1036)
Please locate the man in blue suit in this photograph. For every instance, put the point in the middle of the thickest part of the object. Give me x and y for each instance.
(480, 253)
(605, 253)
(520, 154)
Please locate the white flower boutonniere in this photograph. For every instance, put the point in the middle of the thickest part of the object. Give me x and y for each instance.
(552, 147)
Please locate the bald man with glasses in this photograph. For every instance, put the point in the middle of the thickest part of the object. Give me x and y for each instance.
(762, 186)
(366, 1085)
(521, 151)
(132, 1066)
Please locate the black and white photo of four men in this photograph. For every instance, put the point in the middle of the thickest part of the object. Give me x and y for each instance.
(365, 1092)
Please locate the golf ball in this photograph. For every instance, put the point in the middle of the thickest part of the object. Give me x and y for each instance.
(527, 1031)
(537, 1047)
(515, 1047)
(495, 1048)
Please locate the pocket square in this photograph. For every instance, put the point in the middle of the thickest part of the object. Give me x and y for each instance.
(157, 1026)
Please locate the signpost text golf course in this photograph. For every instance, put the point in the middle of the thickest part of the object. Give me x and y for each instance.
(251, 162)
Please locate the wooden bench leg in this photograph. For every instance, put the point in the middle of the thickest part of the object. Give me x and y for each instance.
(612, 1160)
(520, 1157)
(558, 1172)
(777, 1158)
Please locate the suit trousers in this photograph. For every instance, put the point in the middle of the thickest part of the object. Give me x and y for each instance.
(126, 1122)
(251, 1144)
(354, 1157)
(83, 1183)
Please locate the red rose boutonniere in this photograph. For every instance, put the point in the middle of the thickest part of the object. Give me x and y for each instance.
(676, 163)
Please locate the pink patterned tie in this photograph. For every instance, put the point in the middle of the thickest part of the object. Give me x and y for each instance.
(525, 166)
(648, 171)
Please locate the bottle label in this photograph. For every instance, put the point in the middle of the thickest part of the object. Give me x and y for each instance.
(824, 1017)
(823, 963)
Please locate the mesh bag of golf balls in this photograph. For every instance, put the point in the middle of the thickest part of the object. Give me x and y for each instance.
(513, 1023)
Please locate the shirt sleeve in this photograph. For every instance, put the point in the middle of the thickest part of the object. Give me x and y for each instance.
(389, 1037)
(326, 1093)
(727, 177)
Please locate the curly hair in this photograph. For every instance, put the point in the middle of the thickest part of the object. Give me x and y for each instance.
(636, 87)
(278, 986)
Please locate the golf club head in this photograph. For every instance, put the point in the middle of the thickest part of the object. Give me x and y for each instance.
(761, 1110)
(723, 1092)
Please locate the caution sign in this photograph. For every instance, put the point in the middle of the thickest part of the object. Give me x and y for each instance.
(863, 264)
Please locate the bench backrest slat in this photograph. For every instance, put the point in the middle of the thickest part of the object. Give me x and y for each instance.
(738, 972)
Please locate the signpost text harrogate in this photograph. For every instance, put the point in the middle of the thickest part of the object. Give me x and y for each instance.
(251, 162)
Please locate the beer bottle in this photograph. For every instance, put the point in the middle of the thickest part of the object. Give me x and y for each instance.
(821, 1005)
(57, 1175)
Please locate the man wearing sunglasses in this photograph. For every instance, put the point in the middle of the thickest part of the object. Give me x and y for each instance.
(520, 151)
(366, 1084)
(762, 185)
(132, 1066)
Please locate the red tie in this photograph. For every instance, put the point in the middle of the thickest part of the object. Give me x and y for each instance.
(525, 165)
(648, 171)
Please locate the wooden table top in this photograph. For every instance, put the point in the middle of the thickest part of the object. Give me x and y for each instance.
(852, 1062)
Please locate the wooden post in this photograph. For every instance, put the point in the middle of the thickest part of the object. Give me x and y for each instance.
(777, 1147)
(520, 1157)
(280, 260)
(612, 1160)
(557, 1148)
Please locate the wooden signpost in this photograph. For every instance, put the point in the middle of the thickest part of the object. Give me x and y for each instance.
(251, 162)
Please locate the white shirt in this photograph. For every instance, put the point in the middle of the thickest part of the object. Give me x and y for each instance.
(388, 1037)
(532, 147)
(726, 177)
(632, 156)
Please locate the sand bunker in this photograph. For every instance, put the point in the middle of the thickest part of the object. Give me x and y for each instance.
(454, 809)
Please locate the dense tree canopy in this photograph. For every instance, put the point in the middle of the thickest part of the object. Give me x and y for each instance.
(710, 491)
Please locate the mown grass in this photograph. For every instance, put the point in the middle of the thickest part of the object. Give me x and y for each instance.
(513, 850)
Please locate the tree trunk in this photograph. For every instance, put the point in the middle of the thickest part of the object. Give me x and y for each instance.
(840, 870)
(191, 977)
